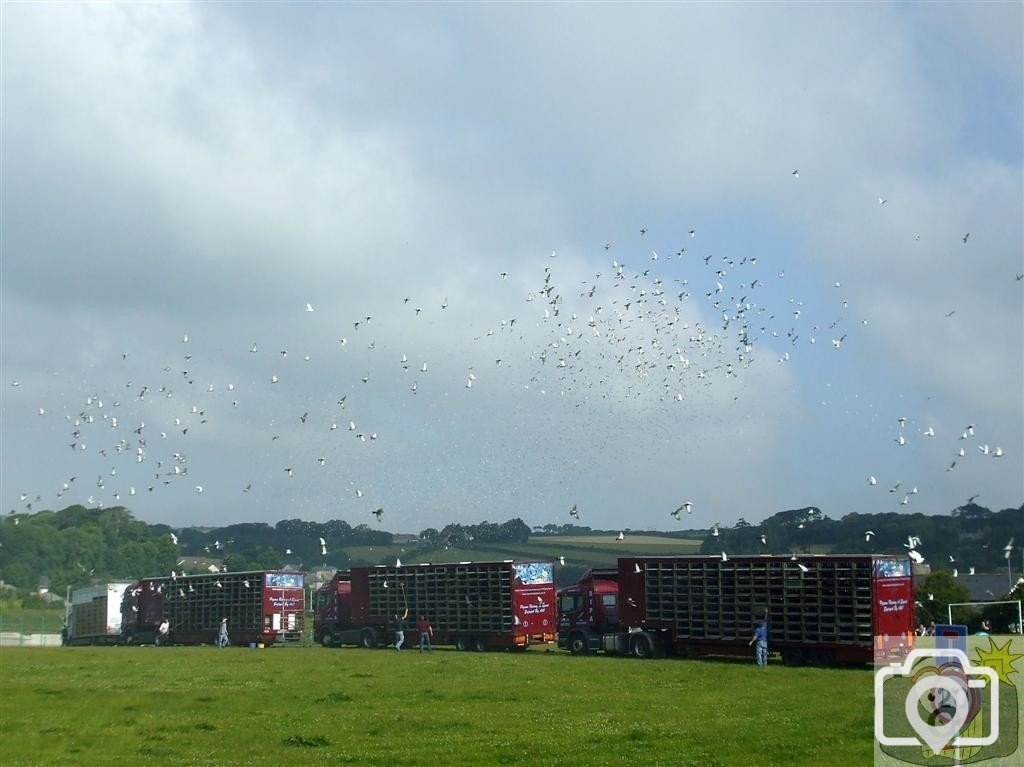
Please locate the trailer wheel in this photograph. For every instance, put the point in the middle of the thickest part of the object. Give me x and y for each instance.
(480, 644)
(792, 656)
(578, 643)
(368, 638)
(327, 639)
(641, 646)
(462, 644)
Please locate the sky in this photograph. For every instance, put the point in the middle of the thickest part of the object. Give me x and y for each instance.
(726, 254)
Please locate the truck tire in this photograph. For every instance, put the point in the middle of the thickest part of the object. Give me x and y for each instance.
(480, 644)
(368, 638)
(327, 639)
(641, 646)
(578, 644)
(462, 644)
(792, 656)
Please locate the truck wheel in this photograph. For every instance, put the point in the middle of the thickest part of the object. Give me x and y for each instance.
(480, 644)
(578, 643)
(641, 646)
(327, 640)
(792, 656)
(368, 638)
(461, 644)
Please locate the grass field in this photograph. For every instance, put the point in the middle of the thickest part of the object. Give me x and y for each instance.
(313, 706)
(31, 620)
(583, 550)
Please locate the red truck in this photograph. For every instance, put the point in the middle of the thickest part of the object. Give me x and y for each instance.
(820, 609)
(472, 605)
(261, 607)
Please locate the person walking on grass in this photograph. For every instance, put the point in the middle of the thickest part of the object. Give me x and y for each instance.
(760, 638)
(222, 637)
(426, 632)
(400, 628)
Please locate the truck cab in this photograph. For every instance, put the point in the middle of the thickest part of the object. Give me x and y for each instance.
(588, 610)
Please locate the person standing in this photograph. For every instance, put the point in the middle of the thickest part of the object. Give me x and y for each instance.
(760, 638)
(222, 636)
(426, 631)
(163, 633)
(400, 628)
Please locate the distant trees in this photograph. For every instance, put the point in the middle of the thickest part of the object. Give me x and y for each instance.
(972, 535)
(79, 546)
(936, 592)
(465, 536)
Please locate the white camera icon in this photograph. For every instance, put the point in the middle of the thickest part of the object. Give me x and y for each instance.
(950, 690)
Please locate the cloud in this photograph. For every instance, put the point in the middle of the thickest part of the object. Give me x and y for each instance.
(176, 169)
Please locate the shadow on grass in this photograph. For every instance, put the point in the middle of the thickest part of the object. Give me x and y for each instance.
(335, 697)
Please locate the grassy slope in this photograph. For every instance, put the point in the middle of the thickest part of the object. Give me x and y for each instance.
(202, 706)
(31, 620)
(591, 550)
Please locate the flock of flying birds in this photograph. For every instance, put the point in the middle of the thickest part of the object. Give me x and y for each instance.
(624, 334)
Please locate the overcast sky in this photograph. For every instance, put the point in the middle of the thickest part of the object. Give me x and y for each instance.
(719, 250)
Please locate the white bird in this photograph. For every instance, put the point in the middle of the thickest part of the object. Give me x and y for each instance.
(273, 379)
(309, 307)
(199, 488)
(764, 541)
(686, 506)
(714, 530)
(423, 368)
(970, 571)
(724, 557)
(561, 561)
(956, 573)
(929, 432)
(868, 534)
(901, 440)
(872, 480)
(398, 562)
(915, 556)
(984, 449)
(174, 539)
(997, 453)
(620, 536)
(803, 568)
(213, 568)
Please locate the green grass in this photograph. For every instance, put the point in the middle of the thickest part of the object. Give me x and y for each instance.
(31, 620)
(311, 706)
